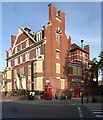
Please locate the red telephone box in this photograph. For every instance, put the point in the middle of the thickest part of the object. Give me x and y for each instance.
(77, 90)
(48, 92)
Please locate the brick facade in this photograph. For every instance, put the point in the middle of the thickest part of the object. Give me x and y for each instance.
(78, 67)
(39, 57)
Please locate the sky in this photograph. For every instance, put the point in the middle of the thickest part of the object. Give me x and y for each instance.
(83, 21)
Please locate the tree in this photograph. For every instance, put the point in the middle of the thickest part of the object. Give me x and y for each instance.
(93, 76)
(94, 69)
(95, 65)
(100, 63)
(100, 73)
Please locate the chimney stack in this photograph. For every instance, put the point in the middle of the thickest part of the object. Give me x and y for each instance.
(52, 12)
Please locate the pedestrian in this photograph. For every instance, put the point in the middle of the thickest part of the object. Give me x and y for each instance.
(55, 95)
(33, 93)
(62, 96)
(87, 100)
(30, 95)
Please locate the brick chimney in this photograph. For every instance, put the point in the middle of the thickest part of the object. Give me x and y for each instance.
(62, 17)
(87, 48)
(12, 39)
(52, 12)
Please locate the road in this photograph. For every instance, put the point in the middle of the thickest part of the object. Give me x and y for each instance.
(11, 109)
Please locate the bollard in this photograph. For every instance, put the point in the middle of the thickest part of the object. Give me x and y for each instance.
(87, 100)
(82, 99)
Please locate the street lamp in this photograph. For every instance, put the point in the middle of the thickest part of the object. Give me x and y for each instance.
(82, 81)
(5, 87)
(32, 75)
(88, 78)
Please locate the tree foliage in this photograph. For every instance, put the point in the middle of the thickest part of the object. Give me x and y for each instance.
(95, 64)
(94, 68)
(100, 63)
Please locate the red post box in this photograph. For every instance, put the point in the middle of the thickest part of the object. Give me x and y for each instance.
(77, 90)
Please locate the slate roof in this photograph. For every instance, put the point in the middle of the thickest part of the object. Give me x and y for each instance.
(75, 47)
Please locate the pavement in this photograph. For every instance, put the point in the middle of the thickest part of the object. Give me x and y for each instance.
(72, 101)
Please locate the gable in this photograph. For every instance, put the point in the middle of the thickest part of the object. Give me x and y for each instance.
(19, 33)
(21, 38)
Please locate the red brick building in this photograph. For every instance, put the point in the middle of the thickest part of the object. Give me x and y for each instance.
(36, 58)
(78, 59)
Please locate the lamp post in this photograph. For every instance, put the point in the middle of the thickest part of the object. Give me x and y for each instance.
(5, 87)
(82, 81)
(32, 75)
(88, 82)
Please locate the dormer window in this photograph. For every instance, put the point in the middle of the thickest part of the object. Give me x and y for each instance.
(39, 36)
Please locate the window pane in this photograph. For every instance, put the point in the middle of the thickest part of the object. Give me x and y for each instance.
(9, 63)
(27, 55)
(22, 71)
(21, 59)
(57, 68)
(34, 67)
(14, 73)
(39, 51)
(74, 70)
(27, 43)
(57, 54)
(29, 70)
(57, 37)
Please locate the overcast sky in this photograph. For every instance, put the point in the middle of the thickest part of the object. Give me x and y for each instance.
(83, 21)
